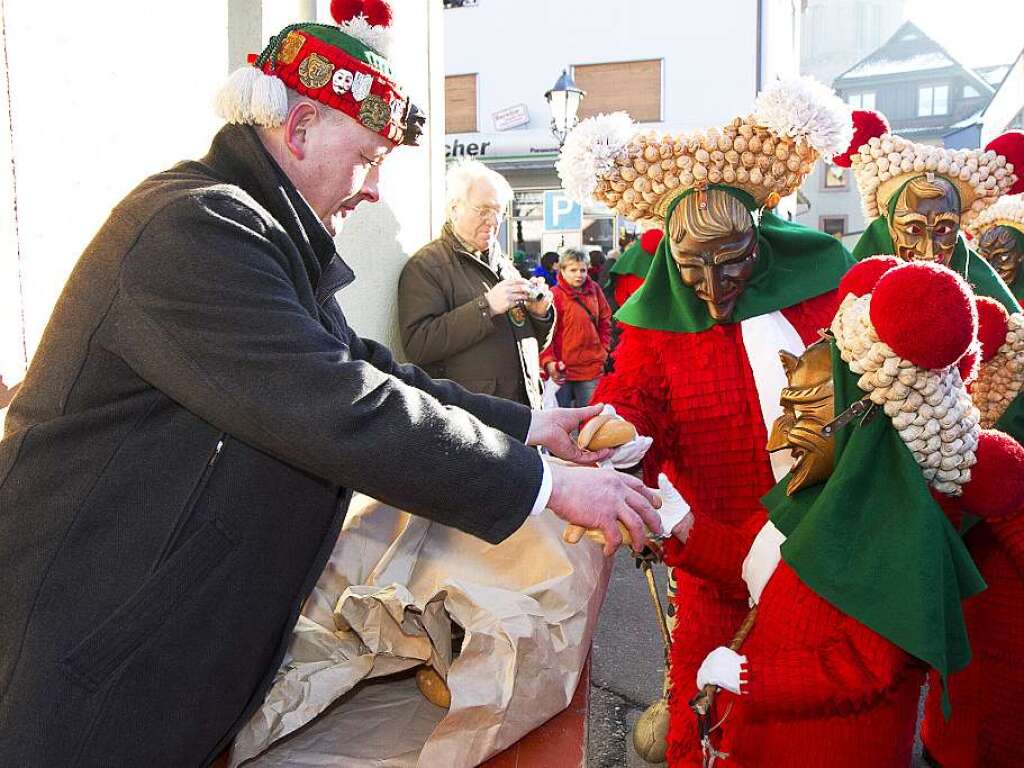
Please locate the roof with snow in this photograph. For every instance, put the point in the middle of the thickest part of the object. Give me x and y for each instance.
(908, 51)
(993, 75)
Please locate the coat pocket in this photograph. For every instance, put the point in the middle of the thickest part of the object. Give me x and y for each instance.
(190, 506)
(103, 650)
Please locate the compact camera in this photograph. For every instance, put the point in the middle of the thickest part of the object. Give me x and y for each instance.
(535, 292)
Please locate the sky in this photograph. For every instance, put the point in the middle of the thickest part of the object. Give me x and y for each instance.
(976, 32)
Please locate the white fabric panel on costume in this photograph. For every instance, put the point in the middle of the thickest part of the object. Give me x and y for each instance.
(763, 337)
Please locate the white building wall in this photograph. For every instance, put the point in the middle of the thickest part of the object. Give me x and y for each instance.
(104, 94)
(519, 48)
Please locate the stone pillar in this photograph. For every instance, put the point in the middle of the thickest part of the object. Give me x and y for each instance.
(378, 239)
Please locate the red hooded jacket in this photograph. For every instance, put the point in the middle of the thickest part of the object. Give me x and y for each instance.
(577, 341)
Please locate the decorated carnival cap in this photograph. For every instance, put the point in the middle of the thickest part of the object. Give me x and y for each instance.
(1007, 211)
(883, 162)
(344, 67)
(908, 360)
(766, 154)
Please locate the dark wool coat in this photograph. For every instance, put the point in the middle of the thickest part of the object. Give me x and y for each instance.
(178, 463)
(447, 327)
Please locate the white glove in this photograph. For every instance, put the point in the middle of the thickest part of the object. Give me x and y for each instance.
(674, 509)
(629, 454)
(762, 560)
(722, 667)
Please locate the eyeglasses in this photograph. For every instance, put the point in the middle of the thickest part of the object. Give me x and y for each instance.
(487, 211)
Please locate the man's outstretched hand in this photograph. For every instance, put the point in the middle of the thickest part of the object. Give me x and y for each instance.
(552, 428)
(599, 498)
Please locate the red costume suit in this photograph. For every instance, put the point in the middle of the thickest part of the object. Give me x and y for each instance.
(985, 730)
(694, 393)
(808, 662)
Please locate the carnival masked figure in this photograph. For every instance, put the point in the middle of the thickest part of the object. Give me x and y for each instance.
(857, 576)
(999, 236)
(917, 197)
(630, 269)
(984, 729)
(697, 367)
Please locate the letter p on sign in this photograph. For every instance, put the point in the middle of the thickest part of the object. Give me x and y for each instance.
(560, 213)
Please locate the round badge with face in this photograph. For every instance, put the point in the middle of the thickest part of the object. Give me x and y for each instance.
(807, 406)
(1001, 248)
(714, 245)
(926, 220)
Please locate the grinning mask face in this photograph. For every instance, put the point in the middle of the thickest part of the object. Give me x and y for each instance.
(714, 245)
(1002, 250)
(808, 405)
(926, 221)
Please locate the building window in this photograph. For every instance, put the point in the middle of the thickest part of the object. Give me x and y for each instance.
(833, 177)
(460, 104)
(862, 100)
(932, 100)
(833, 225)
(970, 92)
(634, 86)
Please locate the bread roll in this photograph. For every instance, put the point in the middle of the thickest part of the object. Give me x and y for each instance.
(609, 432)
(433, 687)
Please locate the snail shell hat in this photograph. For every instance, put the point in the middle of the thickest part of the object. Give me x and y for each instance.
(767, 154)
(882, 162)
(903, 328)
(1007, 211)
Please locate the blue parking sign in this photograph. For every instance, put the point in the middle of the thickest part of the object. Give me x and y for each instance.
(560, 213)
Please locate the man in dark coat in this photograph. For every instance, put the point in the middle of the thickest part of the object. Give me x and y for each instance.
(464, 310)
(177, 465)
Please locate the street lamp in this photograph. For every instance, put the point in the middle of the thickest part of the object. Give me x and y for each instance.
(564, 99)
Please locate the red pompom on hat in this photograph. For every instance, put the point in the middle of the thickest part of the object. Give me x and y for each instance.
(996, 488)
(650, 240)
(867, 124)
(969, 365)
(1011, 146)
(993, 323)
(377, 12)
(862, 276)
(926, 313)
(346, 10)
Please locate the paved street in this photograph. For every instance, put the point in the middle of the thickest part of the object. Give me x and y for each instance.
(627, 666)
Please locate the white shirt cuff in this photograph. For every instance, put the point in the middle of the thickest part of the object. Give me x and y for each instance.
(544, 495)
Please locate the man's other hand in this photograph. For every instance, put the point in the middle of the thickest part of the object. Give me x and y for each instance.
(506, 294)
(599, 498)
(552, 428)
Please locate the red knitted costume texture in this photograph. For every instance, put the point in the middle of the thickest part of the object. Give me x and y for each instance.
(694, 393)
(985, 730)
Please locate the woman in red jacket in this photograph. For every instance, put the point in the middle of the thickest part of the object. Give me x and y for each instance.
(583, 331)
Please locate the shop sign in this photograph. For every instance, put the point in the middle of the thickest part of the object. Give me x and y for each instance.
(510, 117)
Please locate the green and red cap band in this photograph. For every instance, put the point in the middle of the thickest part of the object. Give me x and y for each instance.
(324, 63)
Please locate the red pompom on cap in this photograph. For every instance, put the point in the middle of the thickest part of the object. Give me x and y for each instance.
(377, 12)
(867, 124)
(346, 10)
(996, 488)
(993, 323)
(969, 365)
(1011, 146)
(926, 313)
(650, 240)
(863, 275)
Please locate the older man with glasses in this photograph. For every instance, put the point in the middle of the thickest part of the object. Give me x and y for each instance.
(465, 312)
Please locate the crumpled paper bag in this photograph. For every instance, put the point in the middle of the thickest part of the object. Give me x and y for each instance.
(528, 607)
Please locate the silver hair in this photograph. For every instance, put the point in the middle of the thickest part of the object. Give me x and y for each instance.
(570, 255)
(461, 176)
